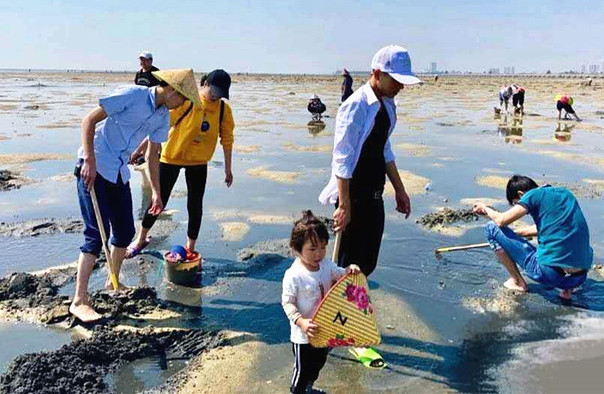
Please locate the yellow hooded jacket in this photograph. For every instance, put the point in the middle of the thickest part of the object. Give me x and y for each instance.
(193, 140)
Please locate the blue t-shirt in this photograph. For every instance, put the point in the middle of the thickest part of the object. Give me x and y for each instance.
(562, 229)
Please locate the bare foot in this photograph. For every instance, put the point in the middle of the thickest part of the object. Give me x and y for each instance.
(120, 287)
(84, 312)
(513, 285)
(566, 294)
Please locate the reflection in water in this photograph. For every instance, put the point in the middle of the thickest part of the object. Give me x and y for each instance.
(316, 126)
(562, 132)
(512, 132)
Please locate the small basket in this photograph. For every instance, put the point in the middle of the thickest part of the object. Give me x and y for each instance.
(184, 273)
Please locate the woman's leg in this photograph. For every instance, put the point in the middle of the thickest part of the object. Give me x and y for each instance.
(196, 177)
(168, 175)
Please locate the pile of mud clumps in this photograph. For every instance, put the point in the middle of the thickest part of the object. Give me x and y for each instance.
(33, 228)
(81, 366)
(9, 180)
(447, 216)
(20, 290)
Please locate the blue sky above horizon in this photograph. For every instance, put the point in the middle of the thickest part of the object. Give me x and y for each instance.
(301, 36)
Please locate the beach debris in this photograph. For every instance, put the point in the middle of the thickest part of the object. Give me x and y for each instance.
(10, 180)
(427, 186)
(447, 216)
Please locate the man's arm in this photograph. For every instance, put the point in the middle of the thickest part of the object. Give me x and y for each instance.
(152, 157)
(501, 219)
(88, 170)
(341, 216)
(403, 203)
(528, 232)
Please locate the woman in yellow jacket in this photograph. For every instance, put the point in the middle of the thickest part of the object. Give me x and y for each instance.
(191, 144)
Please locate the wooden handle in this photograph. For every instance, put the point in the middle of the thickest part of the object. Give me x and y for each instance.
(101, 226)
(336, 247)
(461, 247)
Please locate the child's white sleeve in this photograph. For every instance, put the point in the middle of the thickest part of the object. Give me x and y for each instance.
(336, 272)
(289, 298)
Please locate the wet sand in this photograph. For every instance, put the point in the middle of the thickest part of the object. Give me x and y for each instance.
(445, 325)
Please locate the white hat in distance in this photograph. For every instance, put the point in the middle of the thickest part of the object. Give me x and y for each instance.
(395, 61)
(146, 55)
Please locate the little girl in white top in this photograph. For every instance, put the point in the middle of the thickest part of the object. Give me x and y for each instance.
(305, 284)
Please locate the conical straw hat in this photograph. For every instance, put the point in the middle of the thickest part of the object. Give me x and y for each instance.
(345, 316)
(183, 81)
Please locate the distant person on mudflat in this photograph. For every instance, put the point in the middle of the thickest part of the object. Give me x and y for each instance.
(563, 256)
(565, 102)
(518, 98)
(110, 133)
(191, 143)
(145, 77)
(346, 85)
(316, 107)
(505, 93)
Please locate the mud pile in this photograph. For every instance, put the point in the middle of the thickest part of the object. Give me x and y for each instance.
(82, 365)
(21, 289)
(138, 300)
(33, 228)
(9, 180)
(447, 216)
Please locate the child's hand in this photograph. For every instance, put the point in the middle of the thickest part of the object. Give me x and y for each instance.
(353, 269)
(308, 326)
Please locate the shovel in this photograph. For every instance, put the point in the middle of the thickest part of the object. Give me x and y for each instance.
(99, 220)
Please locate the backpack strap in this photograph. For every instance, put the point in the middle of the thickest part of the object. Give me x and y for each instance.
(221, 116)
(184, 114)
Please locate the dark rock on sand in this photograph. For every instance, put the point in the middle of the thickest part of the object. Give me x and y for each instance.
(278, 247)
(32, 228)
(447, 216)
(79, 367)
(9, 180)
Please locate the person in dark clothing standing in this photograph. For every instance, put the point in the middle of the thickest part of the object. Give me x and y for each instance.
(346, 85)
(144, 76)
(363, 156)
(316, 107)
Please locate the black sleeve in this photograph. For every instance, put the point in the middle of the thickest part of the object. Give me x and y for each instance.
(136, 78)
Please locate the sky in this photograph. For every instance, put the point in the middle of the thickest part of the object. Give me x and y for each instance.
(281, 36)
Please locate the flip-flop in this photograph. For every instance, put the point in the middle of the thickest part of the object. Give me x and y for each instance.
(369, 357)
(133, 251)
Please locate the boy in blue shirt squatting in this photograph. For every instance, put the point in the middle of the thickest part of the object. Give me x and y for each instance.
(563, 254)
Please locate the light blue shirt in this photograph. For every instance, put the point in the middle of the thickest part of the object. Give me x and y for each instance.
(131, 117)
(354, 122)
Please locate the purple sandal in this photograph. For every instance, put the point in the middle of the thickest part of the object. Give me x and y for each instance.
(133, 250)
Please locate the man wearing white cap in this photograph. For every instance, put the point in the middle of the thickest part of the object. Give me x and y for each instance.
(363, 156)
(145, 77)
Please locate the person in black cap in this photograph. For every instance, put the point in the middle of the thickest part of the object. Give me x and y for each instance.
(191, 144)
(144, 77)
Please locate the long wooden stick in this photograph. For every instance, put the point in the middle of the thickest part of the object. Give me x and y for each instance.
(336, 247)
(461, 247)
(99, 221)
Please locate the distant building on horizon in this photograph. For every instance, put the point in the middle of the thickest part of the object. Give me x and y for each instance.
(493, 70)
(583, 69)
(594, 68)
(433, 68)
(509, 70)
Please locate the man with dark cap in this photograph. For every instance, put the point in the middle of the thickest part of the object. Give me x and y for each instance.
(346, 85)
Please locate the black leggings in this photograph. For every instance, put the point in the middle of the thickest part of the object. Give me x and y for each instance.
(362, 237)
(196, 177)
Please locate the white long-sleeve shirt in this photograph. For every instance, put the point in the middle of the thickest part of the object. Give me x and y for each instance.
(303, 291)
(354, 122)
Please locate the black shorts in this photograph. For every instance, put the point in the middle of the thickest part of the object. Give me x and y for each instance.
(567, 107)
(518, 99)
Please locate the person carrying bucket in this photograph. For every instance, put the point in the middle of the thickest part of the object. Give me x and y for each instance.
(110, 133)
(363, 157)
(565, 102)
(191, 143)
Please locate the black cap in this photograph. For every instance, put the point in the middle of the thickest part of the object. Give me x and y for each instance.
(220, 82)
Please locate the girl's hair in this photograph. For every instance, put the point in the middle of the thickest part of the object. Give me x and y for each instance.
(518, 183)
(163, 83)
(309, 227)
(203, 80)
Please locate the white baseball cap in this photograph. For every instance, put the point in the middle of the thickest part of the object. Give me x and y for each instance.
(146, 55)
(395, 61)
